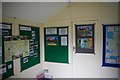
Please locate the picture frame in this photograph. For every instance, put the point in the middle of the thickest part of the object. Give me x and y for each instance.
(84, 37)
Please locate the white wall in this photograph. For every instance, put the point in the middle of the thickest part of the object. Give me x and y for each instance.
(84, 65)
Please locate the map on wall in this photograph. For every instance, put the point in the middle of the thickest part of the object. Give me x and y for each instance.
(15, 49)
(112, 45)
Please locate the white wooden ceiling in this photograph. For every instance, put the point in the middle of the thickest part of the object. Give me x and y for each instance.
(35, 11)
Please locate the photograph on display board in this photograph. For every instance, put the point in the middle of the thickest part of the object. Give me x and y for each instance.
(52, 40)
(85, 43)
(33, 35)
(10, 66)
(25, 59)
(36, 45)
(84, 30)
(2, 68)
(35, 54)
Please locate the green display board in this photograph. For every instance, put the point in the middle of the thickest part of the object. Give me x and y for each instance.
(56, 44)
(34, 46)
(9, 70)
(8, 66)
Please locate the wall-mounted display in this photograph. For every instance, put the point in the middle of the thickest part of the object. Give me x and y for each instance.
(6, 30)
(50, 31)
(33, 57)
(52, 40)
(84, 38)
(56, 45)
(111, 45)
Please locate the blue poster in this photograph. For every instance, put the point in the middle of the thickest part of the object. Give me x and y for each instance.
(111, 37)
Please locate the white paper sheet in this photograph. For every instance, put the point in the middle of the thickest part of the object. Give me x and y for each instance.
(51, 31)
(62, 31)
(63, 41)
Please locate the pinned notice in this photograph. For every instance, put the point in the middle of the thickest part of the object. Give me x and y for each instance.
(63, 41)
(62, 31)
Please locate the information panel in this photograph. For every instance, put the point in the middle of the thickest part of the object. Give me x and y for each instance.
(6, 68)
(111, 45)
(33, 57)
(56, 44)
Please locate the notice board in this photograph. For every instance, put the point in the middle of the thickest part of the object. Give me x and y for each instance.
(34, 46)
(111, 45)
(56, 44)
(7, 67)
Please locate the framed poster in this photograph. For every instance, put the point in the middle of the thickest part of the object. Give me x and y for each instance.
(111, 45)
(84, 38)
